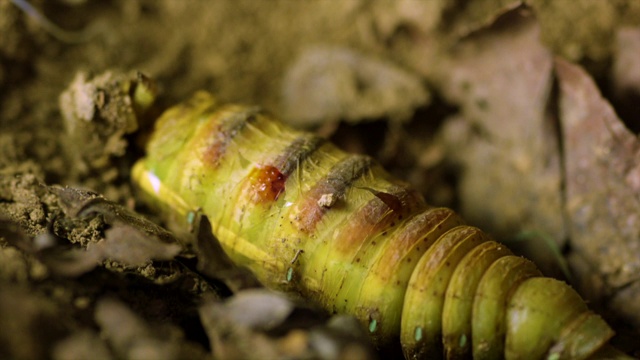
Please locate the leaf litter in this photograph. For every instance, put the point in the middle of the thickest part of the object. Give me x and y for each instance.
(492, 61)
(603, 187)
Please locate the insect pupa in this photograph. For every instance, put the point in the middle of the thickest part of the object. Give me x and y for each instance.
(410, 272)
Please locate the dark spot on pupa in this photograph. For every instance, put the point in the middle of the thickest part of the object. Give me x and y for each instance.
(267, 183)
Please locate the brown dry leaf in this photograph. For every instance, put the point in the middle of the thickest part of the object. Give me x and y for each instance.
(602, 185)
(443, 21)
(233, 342)
(131, 337)
(231, 332)
(504, 140)
(127, 244)
(132, 240)
(480, 14)
(259, 324)
(330, 83)
(78, 203)
(258, 309)
(123, 243)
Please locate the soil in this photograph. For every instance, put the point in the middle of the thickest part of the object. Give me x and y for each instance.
(474, 104)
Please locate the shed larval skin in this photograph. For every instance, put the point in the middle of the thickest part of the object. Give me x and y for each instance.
(336, 228)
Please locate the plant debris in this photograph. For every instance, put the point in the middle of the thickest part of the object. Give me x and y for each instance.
(603, 187)
(509, 111)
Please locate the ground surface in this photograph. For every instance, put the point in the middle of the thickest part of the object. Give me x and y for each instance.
(522, 115)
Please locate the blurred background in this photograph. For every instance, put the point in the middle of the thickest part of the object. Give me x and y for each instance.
(521, 115)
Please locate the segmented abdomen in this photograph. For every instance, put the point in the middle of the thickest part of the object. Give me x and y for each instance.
(336, 228)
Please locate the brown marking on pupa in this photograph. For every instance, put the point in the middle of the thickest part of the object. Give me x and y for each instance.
(266, 183)
(377, 216)
(297, 152)
(223, 131)
(309, 211)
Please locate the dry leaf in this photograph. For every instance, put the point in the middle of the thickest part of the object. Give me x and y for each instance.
(126, 244)
(131, 240)
(131, 337)
(79, 203)
(258, 309)
(336, 83)
(258, 324)
(504, 140)
(602, 185)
